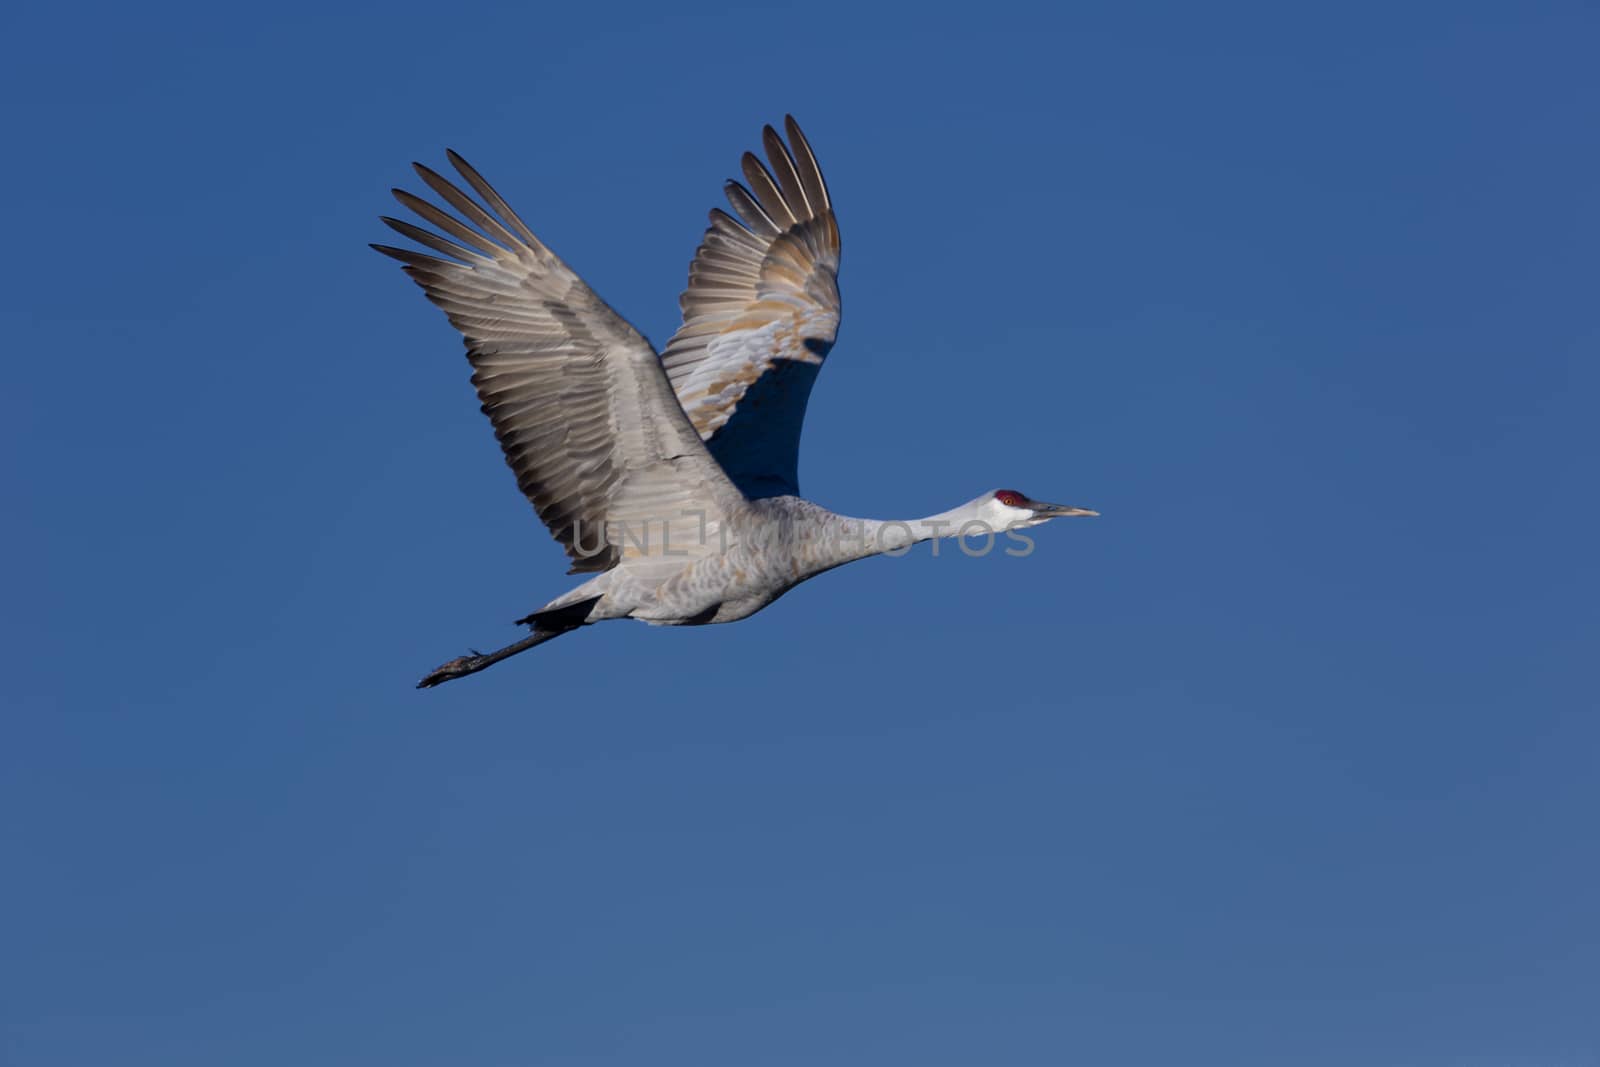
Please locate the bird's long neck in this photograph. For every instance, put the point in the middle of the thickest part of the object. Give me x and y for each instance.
(848, 539)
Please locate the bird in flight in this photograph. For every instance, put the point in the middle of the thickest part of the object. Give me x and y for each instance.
(669, 478)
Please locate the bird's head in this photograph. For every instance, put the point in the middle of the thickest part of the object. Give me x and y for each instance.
(1012, 509)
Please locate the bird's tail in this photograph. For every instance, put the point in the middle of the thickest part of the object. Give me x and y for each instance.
(546, 625)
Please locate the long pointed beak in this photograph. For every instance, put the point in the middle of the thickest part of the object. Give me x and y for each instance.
(1057, 511)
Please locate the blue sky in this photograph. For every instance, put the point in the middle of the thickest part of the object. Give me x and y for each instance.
(1289, 758)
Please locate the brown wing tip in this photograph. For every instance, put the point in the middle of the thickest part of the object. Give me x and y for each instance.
(463, 168)
(797, 139)
(773, 143)
(397, 225)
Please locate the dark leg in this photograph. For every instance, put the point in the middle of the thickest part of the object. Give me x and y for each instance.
(462, 666)
(546, 624)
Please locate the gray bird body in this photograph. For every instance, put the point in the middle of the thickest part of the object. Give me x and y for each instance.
(730, 571)
(672, 478)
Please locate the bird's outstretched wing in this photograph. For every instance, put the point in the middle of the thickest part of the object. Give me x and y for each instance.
(578, 398)
(759, 316)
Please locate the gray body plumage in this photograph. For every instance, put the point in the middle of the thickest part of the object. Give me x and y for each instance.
(672, 479)
(760, 550)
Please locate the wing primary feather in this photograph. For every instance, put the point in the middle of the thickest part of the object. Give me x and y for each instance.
(493, 199)
(806, 163)
(750, 211)
(466, 205)
(449, 224)
(432, 240)
(783, 169)
(412, 258)
(766, 191)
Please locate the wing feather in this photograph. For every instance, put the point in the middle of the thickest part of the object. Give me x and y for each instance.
(751, 212)
(766, 191)
(806, 164)
(578, 399)
(783, 170)
(759, 315)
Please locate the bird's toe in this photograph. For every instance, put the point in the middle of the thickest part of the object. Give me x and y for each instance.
(455, 668)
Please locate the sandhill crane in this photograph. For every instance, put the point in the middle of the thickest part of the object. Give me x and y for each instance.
(670, 478)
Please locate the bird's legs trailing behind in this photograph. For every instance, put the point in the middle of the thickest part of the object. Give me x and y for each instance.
(546, 625)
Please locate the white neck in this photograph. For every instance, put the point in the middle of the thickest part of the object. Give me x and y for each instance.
(894, 535)
(851, 539)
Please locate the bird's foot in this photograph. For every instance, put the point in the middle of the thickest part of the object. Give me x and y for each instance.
(459, 667)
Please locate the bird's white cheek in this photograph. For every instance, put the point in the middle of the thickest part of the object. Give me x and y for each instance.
(999, 517)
